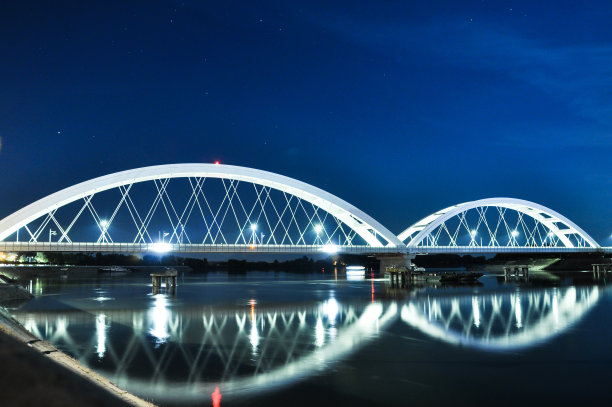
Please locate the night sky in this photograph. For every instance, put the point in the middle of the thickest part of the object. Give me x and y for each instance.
(400, 108)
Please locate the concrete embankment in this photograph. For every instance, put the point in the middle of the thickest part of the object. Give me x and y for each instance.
(35, 373)
(13, 292)
(9, 291)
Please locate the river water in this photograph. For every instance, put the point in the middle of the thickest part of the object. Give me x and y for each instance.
(275, 338)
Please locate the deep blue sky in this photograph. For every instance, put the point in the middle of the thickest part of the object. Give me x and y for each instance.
(398, 108)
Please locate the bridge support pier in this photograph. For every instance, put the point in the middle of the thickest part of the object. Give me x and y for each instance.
(169, 275)
(601, 270)
(400, 260)
(517, 271)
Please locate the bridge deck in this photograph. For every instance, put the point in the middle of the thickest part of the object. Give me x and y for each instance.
(504, 249)
(265, 248)
(192, 248)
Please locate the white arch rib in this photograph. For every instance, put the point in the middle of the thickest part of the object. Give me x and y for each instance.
(364, 225)
(549, 218)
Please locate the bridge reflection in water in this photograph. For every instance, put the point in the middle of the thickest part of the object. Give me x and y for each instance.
(183, 354)
(498, 322)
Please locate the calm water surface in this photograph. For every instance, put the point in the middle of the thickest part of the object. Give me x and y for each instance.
(320, 339)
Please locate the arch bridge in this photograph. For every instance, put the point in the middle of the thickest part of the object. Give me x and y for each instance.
(207, 208)
(497, 225)
(195, 208)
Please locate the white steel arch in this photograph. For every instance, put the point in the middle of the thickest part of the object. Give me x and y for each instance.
(364, 225)
(558, 224)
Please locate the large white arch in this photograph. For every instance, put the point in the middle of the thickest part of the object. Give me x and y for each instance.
(364, 225)
(558, 224)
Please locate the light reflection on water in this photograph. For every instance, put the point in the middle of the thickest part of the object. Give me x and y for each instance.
(159, 316)
(181, 351)
(101, 335)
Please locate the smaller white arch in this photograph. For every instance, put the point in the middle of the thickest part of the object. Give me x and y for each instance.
(558, 224)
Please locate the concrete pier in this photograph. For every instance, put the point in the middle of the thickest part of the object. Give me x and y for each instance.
(521, 272)
(393, 260)
(601, 270)
(170, 277)
(398, 275)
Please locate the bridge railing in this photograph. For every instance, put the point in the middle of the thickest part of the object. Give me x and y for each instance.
(502, 249)
(161, 247)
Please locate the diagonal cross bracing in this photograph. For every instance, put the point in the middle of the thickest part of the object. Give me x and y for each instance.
(516, 223)
(218, 205)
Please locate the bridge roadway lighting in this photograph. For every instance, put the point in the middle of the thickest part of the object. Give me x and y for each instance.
(515, 233)
(330, 248)
(318, 228)
(160, 247)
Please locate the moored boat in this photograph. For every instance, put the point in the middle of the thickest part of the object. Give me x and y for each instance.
(355, 272)
(113, 270)
(427, 277)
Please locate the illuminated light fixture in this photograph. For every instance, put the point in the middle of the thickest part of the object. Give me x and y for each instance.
(330, 248)
(355, 272)
(160, 247)
(252, 246)
(253, 227)
(217, 162)
(318, 228)
(104, 223)
(473, 233)
(515, 233)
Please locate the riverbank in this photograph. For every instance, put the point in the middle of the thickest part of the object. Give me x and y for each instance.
(34, 372)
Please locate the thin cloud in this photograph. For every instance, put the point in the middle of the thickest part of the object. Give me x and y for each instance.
(579, 76)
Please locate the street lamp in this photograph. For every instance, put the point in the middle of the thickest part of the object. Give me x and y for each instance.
(514, 234)
(182, 233)
(318, 229)
(473, 234)
(103, 225)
